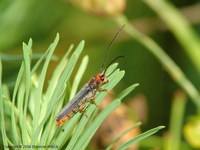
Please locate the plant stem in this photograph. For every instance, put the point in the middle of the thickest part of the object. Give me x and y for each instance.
(176, 121)
(171, 67)
(179, 27)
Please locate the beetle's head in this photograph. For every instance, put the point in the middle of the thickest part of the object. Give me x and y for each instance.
(101, 78)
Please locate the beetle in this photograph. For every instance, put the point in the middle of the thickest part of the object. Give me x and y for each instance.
(88, 91)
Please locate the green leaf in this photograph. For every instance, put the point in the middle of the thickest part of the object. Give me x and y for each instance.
(140, 137)
(2, 123)
(127, 91)
(111, 68)
(27, 62)
(37, 117)
(62, 80)
(122, 134)
(39, 62)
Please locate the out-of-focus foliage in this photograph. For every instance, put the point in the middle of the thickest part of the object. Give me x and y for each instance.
(101, 7)
(20, 20)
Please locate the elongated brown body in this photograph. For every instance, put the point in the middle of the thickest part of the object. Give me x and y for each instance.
(78, 102)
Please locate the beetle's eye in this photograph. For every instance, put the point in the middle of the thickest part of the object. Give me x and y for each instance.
(102, 79)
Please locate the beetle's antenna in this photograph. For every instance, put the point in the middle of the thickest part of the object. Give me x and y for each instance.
(112, 63)
(108, 50)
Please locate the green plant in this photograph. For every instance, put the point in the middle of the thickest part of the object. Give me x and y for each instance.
(28, 116)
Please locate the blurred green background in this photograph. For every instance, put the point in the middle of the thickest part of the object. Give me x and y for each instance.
(41, 20)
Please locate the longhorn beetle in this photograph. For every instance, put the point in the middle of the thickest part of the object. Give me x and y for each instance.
(88, 91)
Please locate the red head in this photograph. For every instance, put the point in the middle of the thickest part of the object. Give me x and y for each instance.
(101, 78)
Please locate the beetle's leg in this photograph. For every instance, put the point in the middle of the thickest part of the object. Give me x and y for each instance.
(102, 89)
(92, 100)
(83, 111)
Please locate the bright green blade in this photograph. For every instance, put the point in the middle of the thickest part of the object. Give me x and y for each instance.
(140, 137)
(122, 134)
(27, 51)
(37, 117)
(63, 78)
(2, 122)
